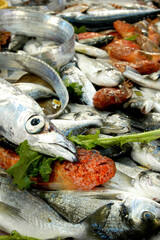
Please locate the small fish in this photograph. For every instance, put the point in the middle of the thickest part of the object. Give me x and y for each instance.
(136, 77)
(36, 91)
(136, 180)
(147, 154)
(17, 42)
(99, 72)
(73, 74)
(97, 41)
(90, 50)
(140, 101)
(75, 127)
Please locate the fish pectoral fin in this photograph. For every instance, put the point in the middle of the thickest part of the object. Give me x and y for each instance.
(10, 210)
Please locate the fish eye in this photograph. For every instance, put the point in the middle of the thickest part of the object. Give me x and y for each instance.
(35, 124)
(147, 216)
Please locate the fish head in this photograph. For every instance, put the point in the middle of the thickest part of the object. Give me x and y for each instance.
(141, 213)
(149, 182)
(44, 137)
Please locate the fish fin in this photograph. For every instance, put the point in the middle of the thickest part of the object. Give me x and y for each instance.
(10, 210)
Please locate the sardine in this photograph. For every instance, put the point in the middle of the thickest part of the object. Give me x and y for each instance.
(19, 61)
(97, 41)
(36, 91)
(136, 77)
(130, 217)
(106, 22)
(90, 50)
(73, 74)
(99, 72)
(137, 180)
(147, 154)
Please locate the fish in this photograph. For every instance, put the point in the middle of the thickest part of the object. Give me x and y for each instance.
(140, 101)
(147, 154)
(135, 179)
(17, 42)
(23, 119)
(73, 127)
(118, 213)
(136, 77)
(29, 215)
(106, 22)
(73, 74)
(99, 72)
(36, 91)
(97, 41)
(23, 61)
(90, 50)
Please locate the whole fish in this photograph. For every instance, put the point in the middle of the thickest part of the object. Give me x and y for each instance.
(99, 72)
(90, 50)
(24, 119)
(128, 218)
(137, 180)
(97, 41)
(106, 22)
(136, 77)
(73, 74)
(36, 91)
(147, 154)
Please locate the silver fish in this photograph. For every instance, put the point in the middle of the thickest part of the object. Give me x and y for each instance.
(17, 42)
(136, 77)
(90, 50)
(75, 127)
(50, 27)
(20, 61)
(73, 74)
(136, 180)
(36, 91)
(97, 41)
(140, 101)
(99, 72)
(24, 119)
(126, 218)
(147, 154)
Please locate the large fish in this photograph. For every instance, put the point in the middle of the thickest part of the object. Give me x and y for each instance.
(24, 119)
(131, 217)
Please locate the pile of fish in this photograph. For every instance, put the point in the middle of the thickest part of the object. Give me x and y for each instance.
(118, 71)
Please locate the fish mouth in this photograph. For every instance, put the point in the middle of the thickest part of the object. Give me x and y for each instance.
(70, 155)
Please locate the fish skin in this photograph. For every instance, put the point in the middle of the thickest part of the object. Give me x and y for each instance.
(147, 154)
(137, 180)
(19, 110)
(36, 91)
(26, 213)
(106, 22)
(90, 50)
(99, 72)
(108, 211)
(73, 74)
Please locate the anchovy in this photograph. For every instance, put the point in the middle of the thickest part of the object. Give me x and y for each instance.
(106, 22)
(97, 41)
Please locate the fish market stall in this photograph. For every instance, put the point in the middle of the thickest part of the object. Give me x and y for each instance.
(80, 120)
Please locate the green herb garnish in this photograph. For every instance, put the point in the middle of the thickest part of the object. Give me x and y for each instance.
(74, 90)
(132, 38)
(81, 29)
(90, 141)
(16, 236)
(31, 164)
